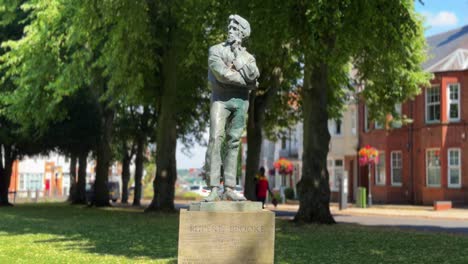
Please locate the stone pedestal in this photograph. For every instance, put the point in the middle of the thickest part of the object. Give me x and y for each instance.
(226, 232)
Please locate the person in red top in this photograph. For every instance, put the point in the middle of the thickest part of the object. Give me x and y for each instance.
(262, 187)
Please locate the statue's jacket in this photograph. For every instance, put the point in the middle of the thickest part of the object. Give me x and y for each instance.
(230, 76)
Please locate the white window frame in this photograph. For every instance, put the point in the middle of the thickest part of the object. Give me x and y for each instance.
(451, 102)
(22, 182)
(334, 180)
(427, 104)
(449, 167)
(378, 125)
(398, 109)
(392, 167)
(352, 113)
(376, 170)
(427, 169)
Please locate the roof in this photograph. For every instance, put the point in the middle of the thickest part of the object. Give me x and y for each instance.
(448, 51)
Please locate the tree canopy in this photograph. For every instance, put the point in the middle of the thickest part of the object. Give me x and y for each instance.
(152, 55)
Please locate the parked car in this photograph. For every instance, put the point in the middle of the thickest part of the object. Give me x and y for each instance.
(203, 191)
(239, 190)
(114, 191)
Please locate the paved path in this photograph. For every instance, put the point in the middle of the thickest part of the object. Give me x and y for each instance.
(416, 223)
(416, 218)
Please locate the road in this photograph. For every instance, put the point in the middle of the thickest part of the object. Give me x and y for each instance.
(403, 222)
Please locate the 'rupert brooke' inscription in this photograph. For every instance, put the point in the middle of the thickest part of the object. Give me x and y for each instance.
(227, 228)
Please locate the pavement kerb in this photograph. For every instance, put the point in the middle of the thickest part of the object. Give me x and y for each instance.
(381, 210)
(454, 214)
(389, 210)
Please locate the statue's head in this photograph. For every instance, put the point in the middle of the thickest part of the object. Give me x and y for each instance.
(238, 29)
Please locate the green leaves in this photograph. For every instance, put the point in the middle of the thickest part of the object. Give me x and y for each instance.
(388, 55)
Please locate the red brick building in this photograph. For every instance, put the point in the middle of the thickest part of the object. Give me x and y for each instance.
(426, 160)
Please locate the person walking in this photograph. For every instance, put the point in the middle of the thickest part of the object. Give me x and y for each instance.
(262, 187)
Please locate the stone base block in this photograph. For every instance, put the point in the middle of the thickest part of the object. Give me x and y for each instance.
(226, 237)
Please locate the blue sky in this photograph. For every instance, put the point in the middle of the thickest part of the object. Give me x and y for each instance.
(193, 157)
(441, 16)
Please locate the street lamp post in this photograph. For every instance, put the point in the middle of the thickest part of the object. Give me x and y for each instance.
(368, 156)
(369, 195)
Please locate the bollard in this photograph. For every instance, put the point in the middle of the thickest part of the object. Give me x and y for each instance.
(343, 203)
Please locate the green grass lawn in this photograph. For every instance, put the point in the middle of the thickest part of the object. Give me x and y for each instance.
(59, 233)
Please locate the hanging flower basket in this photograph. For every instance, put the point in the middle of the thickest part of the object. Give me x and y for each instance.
(368, 155)
(284, 166)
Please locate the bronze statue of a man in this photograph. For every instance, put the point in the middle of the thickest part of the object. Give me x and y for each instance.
(232, 73)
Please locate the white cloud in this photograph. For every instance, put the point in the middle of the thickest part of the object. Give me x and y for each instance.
(441, 19)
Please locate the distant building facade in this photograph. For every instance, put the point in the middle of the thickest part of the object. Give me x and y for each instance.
(47, 175)
(426, 160)
(341, 158)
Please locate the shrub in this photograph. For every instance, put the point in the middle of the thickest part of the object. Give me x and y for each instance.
(289, 193)
(190, 196)
(277, 196)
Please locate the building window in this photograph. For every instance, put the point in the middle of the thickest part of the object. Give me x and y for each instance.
(30, 181)
(396, 168)
(335, 173)
(283, 180)
(433, 104)
(378, 125)
(397, 124)
(454, 168)
(353, 121)
(433, 167)
(453, 91)
(380, 170)
(283, 143)
(338, 127)
(366, 119)
(335, 127)
(21, 182)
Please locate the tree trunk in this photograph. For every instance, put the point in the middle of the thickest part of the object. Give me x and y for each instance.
(313, 188)
(139, 169)
(254, 145)
(166, 173)
(166, 138)
(257, 107)
(79, 196)
(104, 155)
(5, 173)
(73, 184)
(125, 173)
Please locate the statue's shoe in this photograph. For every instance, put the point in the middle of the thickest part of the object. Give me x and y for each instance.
(230, 195)
(213, 197)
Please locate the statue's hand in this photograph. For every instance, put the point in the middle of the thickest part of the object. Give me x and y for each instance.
(236, 48)
(242, 58)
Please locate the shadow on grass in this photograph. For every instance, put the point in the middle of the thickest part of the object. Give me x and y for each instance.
(110, 231)
(135, 235)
